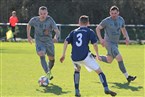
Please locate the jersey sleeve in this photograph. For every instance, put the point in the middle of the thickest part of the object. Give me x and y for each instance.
(31, 22)
(123, 23)
(17, 20)
(93, 37)
(103, 23)
(53, 24)
(10, 20)
(69, 38)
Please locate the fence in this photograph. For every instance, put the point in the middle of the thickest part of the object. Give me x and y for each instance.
(136, 32)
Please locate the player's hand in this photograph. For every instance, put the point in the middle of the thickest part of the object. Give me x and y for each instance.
(30, 40)
(127, 41)
(55, 40)
(102, 42)
(96, 56)
(62, 59)
(99, 58)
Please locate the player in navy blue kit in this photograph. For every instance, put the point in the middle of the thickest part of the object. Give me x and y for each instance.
(81, 55)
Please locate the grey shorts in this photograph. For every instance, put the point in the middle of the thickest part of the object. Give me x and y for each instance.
(47, 48)
(112, 49)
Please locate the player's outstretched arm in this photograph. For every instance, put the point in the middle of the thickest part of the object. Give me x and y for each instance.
(125, 34)
(98, 32)
(96, 50)
(30, 40)
(57, 33)
(64, 51)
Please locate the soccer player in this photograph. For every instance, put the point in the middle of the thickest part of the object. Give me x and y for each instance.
(13, 20)
(79, 39)
(44, 25)
(113, 26)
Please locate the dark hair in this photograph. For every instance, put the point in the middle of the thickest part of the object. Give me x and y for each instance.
(43, 8)
(84, 19)
(114, 8)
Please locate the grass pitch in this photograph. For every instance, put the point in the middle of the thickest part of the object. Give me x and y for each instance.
(20, 70)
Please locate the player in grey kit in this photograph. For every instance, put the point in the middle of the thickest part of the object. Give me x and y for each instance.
(44, 25)
(113, 26)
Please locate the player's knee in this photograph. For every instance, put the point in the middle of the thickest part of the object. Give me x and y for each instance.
(119, 58)
(51, 58)
(41, 53)
(109, 59)
(78, 69)
(98, 71)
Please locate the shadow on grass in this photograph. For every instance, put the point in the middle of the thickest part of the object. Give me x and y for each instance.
(55, 89)
(126, 86)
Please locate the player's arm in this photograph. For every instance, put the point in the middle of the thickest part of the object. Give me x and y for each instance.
(98, 32)
(57, 33)
(30, 40)
(17, 20)
(55, 28)
(64, 51)
(96, 50)
(125, 34)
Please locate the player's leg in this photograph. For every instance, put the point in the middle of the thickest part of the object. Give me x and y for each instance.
(108, 58)
(13, 30)
(92, 64)
(50, 65)
(77, 78)
(50, 54)
(123, 69)
(104, 82)
(51, 62)
(41, 52)
(118, 57)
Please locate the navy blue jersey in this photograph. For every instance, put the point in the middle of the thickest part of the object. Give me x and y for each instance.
(79, 39)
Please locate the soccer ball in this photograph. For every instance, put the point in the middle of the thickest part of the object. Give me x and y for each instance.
(43, 81)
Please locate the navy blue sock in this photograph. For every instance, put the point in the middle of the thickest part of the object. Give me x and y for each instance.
(103, 81)
(44, 64)
(104, 59)
(76, 79)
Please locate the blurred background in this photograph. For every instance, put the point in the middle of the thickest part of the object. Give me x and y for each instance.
(67, 12)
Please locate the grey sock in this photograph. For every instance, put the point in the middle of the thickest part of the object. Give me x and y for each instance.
(51, 64)
(44, 64)
(121, 66)
(104, 59)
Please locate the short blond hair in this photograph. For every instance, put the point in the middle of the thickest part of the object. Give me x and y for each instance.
(84, 19)
(42, 8)
(114, 8)
(13, 12)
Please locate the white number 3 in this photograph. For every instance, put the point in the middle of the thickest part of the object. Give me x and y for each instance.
(79, 42)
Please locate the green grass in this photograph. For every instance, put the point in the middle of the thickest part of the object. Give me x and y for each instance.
(20, 70)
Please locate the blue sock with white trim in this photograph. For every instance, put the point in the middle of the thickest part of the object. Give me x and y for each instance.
(76, 80)
(103, 81)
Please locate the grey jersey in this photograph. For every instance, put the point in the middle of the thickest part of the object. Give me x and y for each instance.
(112, 28)
(43, 29)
